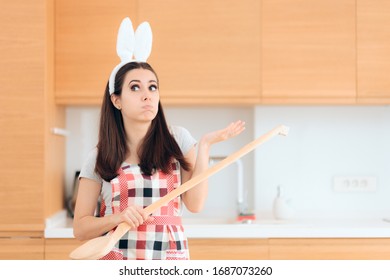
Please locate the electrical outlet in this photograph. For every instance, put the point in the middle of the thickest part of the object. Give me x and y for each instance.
(354, 184)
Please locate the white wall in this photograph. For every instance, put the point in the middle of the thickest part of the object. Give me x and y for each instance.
(83, 125)
(82, 122)
(324, 142)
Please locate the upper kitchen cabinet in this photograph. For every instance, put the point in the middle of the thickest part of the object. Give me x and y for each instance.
(31, 157)
(85, 47)
(308, 52)
(373, 51)
(205, 52)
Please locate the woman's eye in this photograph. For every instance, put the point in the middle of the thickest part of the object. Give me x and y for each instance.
(134, 87)
(153, 88)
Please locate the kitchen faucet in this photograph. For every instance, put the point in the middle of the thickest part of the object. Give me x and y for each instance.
(243, 215)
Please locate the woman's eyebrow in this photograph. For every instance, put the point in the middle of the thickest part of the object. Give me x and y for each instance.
(138, 81)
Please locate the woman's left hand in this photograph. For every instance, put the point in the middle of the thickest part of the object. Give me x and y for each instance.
(230, 131)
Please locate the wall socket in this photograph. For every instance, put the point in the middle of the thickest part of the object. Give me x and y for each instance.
(354, 184)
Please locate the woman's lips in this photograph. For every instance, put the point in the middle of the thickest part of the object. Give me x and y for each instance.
(147, 107)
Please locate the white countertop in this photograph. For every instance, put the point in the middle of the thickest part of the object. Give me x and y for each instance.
(60, 226)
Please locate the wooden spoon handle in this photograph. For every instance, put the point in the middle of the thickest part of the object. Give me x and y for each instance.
(282, 130)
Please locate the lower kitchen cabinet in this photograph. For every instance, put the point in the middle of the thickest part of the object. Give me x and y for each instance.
(228, 249)
(329, 249)
(291, 248)
(234, 249)
(21, 246)
(60, 248)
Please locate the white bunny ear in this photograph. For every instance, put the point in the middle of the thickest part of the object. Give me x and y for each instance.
(128, 43)
(143, 42)
(125, 40)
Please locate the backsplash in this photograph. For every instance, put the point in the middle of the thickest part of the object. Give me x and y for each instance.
(324, 141)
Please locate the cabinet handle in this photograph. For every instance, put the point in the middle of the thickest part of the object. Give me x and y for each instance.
(60, 131)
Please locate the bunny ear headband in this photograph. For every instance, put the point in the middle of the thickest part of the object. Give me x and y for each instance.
(129, 44)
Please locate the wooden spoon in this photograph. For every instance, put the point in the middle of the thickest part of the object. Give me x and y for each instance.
(98, 247)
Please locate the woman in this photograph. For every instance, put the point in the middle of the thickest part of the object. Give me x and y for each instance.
(138, 159)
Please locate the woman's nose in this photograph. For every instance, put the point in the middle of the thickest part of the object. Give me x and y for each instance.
(147, 96)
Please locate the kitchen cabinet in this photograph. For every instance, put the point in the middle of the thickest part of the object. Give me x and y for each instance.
(85, 47)
(232, 52)
(205, 52)
(373, 55)
(21, 246)
(308, 52)
(260, 249)
(228, 249)
(31, 156)
(60, 248)
(291, 248)
(329, 249)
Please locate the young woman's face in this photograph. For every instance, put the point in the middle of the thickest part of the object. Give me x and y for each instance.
(140, 96)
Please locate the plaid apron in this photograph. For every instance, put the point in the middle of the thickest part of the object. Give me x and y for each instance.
(161, 239)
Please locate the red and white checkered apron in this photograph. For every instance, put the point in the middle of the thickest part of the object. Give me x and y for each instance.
(161, 239)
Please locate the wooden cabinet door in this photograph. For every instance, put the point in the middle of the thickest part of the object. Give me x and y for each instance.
(329, 249)
(22, 114)
(85, 47)
(205, 51)
(373, 51)
(228, 249)
(31, 158)
(309, 51)
(60, 248)
(21, 246)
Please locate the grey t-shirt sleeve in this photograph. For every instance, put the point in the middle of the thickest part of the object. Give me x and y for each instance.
(183, 138)
(88, 169)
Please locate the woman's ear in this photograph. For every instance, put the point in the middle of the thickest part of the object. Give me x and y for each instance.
(116, 101)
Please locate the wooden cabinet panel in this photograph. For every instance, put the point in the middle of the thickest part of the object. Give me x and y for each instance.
(30, 174)
(309, 51)
(205, 51)
(260, 249)
(21, 246)
(228, 249)
(21, 249)
(85, 47)
(60, 248)
(22, 113)
(329, 249)
(373, 51)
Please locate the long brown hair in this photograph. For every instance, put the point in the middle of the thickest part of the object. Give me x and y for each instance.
(156, 152)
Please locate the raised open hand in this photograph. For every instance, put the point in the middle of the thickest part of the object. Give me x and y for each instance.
(232, 130)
